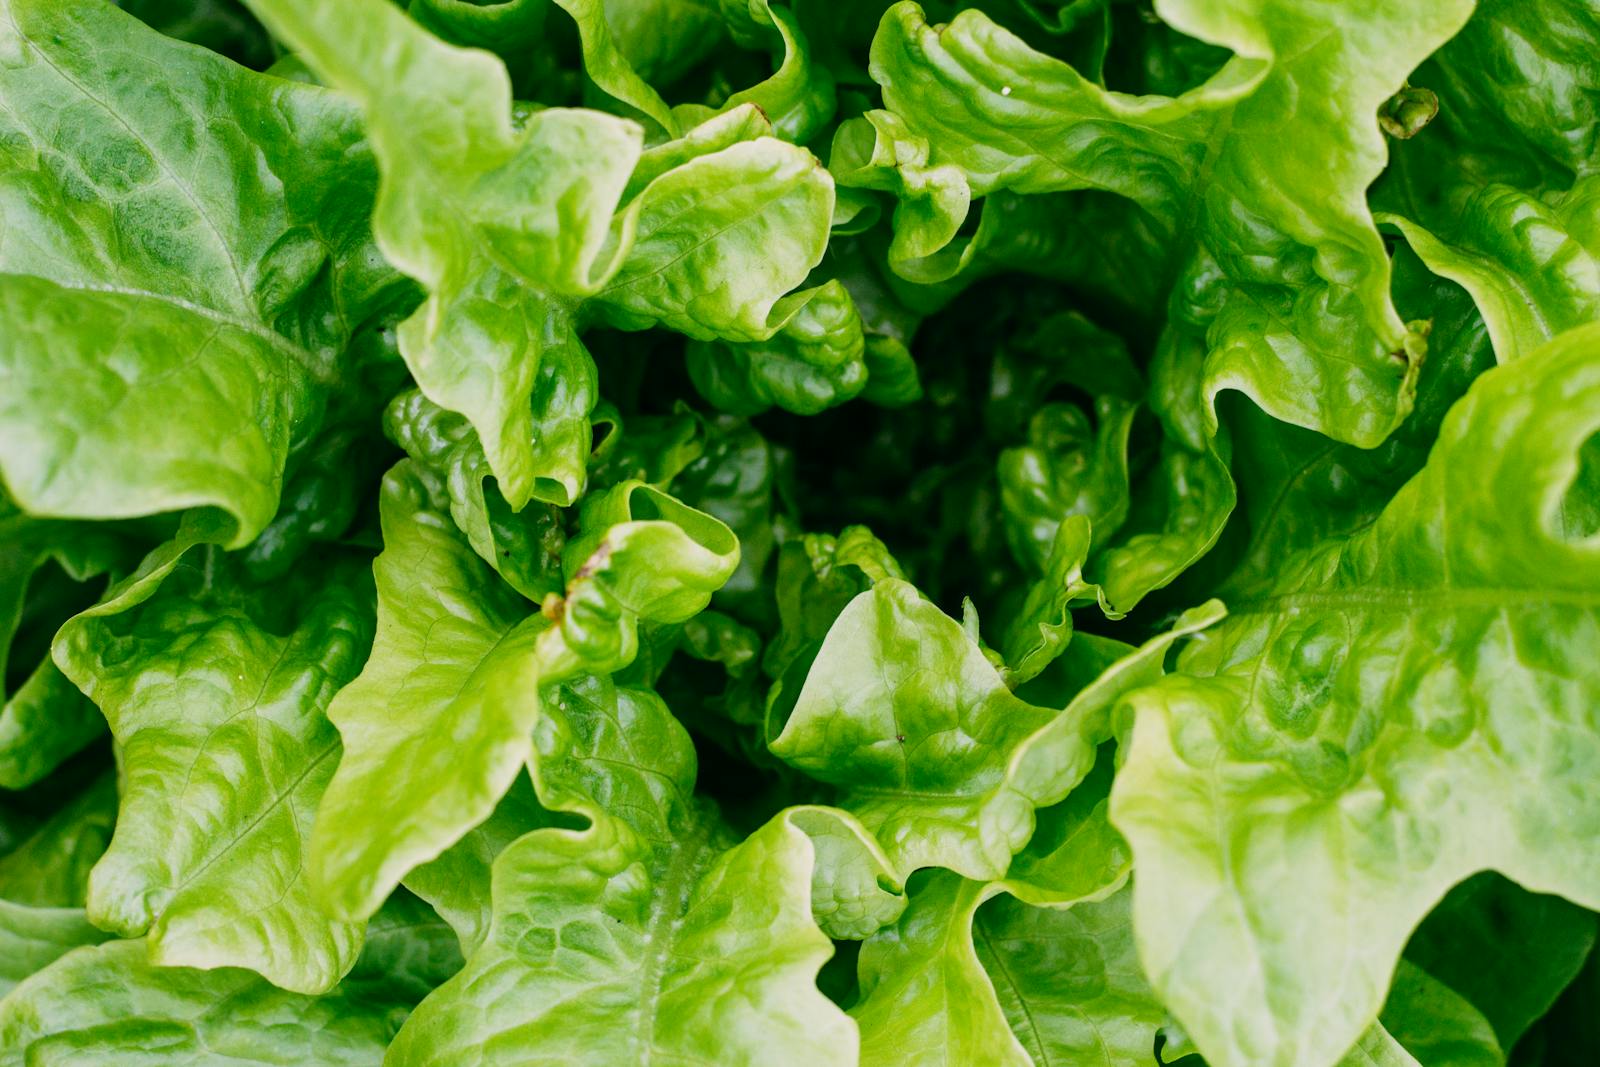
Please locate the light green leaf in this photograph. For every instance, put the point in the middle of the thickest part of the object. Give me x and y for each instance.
(957, 980)
(925, 998)
(651, 933)
(818, 575)
(215, 692)
(736, 479)
(799, 98)
(1143, 532)
(719, 239)
(1039, 632)
(1497, 192)
(43, 882)
(1373, 724)
(1298, 488)
(532, 230)
(1533, 266)
(1178, 512)
(46, 720)
(940, 761)
(503, 26)
(665, 39)
(1069, 980)
(879, 151)
(70, 351)
(185, 369)
(451, 692)
(109, 1005)
(506, 226)
(816, 361)
(1285, 275)
(609, 69)
(523, 547)
(971, 974)
(448, 697)
(457, 883)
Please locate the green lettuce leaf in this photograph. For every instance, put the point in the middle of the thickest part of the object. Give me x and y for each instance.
(1300, 488)
(523, 547)
(452, 689)
(1497, 192)
(46, 570)
(1533, 266)
(1371, 726)
(1436, 1024)
(185, 369)
(110, 1005)
(457, 884)
(44, 881)
(818, 360)
(216, 691)
(933, 752)
(536, 228)
(652, 932)
(1508, 952)
(1287, 278)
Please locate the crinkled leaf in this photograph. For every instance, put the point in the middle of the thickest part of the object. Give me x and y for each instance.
(1039, 632)
(1067, 468)
(110, 1005)
(216, 692)
(1382, 716)
(184, 370)
(1286, 272)
(1496, 191)
(523, 547)
(818, 574)
(506, 226)
(451, 692)
(719, 240)
(935, 755)
(457, 883)
(1532, 266)
(679, 941)
(816, 361)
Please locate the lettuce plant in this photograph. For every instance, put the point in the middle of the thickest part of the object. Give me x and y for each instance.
(1003, 532)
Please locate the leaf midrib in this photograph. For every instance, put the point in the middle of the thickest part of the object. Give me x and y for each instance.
(671, 898)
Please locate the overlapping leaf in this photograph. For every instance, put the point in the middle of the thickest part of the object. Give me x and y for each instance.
(932, 750)
(1383, 716)
(180, 269)
(653, 933)
(216, 692)
(536, 226)
(452, 692)
(1286, 262)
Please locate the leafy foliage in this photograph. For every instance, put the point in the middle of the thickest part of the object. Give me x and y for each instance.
(1005, 532)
